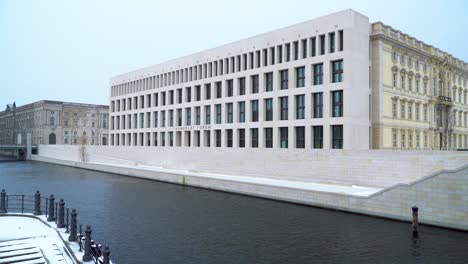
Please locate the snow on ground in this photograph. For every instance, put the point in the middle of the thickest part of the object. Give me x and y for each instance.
(309, 186)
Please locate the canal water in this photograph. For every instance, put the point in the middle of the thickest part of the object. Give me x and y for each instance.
(152, 222)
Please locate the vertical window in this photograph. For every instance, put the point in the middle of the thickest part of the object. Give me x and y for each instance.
(318, 73)
(241, 137)
(254, 137)
(403, 110)
(341, 40)
(179, 96)
(230, 88)
(296, 50)
(197, 116)
(268, 137)
(229, 138)
(269, 109)
(313, 46)
(188, 94)
(283, 108)
(254, 110)
(280, 53)
(394, 108)
(317, 135)
(300, 76)
(219, 90)
(337, 71)
(179, 117)
(241, 107)
(241, 84)
(304, 48)
(395, 137)
(394, 79)
(171, 118)
(283, 137)
(337, 103)
(300, 137)
(229, 113)
(254, 84)
(337, 136)
(207, 91)
(218, 113)
(218, 138)
(317, 100)
(188, 116)
(268, 82)
(197, 93)
(322, 44)
(284, 79)
(265, 57)
(288, 52)
(207, 114)
(300, 106)
(331, 42)
(272, 55)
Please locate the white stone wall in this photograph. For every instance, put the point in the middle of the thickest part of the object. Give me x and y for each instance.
(381, 168)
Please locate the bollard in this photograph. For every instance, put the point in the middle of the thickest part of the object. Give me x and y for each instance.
(415, 219)
(37, 203)
(3, 209)
(105, 255)
(87, 249)
(72, 236)
(61, 214)
(67, 223)
(51, 218)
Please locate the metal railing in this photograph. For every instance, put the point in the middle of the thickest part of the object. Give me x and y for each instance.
(63, 218)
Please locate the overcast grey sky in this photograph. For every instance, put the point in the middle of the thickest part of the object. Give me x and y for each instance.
(68, 50)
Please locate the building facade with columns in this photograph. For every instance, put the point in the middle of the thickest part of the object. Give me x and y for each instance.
(54, 122)
(323, 84)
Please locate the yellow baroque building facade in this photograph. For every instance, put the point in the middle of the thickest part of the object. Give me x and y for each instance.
(419, 94)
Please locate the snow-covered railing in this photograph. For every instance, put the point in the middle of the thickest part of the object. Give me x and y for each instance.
(56, 212)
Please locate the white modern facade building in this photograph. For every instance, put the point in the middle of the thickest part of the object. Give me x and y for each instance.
(304, 86)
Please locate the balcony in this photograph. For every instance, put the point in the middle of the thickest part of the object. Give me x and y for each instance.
(444, 99)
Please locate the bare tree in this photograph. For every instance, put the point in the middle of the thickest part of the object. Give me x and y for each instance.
(83, 140)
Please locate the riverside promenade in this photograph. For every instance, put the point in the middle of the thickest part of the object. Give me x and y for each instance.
(439, 188)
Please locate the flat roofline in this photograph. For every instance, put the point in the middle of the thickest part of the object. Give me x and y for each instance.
(38, 103)
(152, 67)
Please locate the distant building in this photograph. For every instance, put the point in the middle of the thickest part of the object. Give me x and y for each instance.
(54, 122)
(335, 82)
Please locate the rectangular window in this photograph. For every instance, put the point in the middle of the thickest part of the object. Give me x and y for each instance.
(218, 113)
(283, 108)
(230, 88)
(241, 84)
(207, 114)
(317, 101)
(304, 48)
(171, 118)
(197, 93)
(313, 46)
(337, 103)
(229, 113)
(219, 90)
(337, 71)
(207, 91)
(188, 94)
(337, 136)
(280, 54)
(179, 117)
(318, 73)
(268, 137)
(265, 57)
(179, 96)
(268, 82)
(283, 137)
(188, 116)
(241, 137)
(241, 107)
(254, 137)
(300, 76)
(284, 79)
(322, 44)
(254, 84)
(300, 106)
(229, 138)
(341, 40)
(296, 50)
(331, 42)
(197, 116)
(254, 110)
(300, 137)
(269, 109)
(218, 138)
(163, 98)
(317, 135)
(288, 52)
(394, 108)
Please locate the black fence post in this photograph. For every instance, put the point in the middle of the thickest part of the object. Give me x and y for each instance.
(3, 209)
(105, 255)
(56, 212)
(66, 224)
(50, 218)
(22, 203)
(61, 214)
(87, 250)
(80, 238)
(37, 203)
(72, 236)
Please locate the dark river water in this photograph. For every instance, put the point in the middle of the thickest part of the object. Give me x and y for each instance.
(152, 222)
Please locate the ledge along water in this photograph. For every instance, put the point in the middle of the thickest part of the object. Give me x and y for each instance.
(154, 222)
